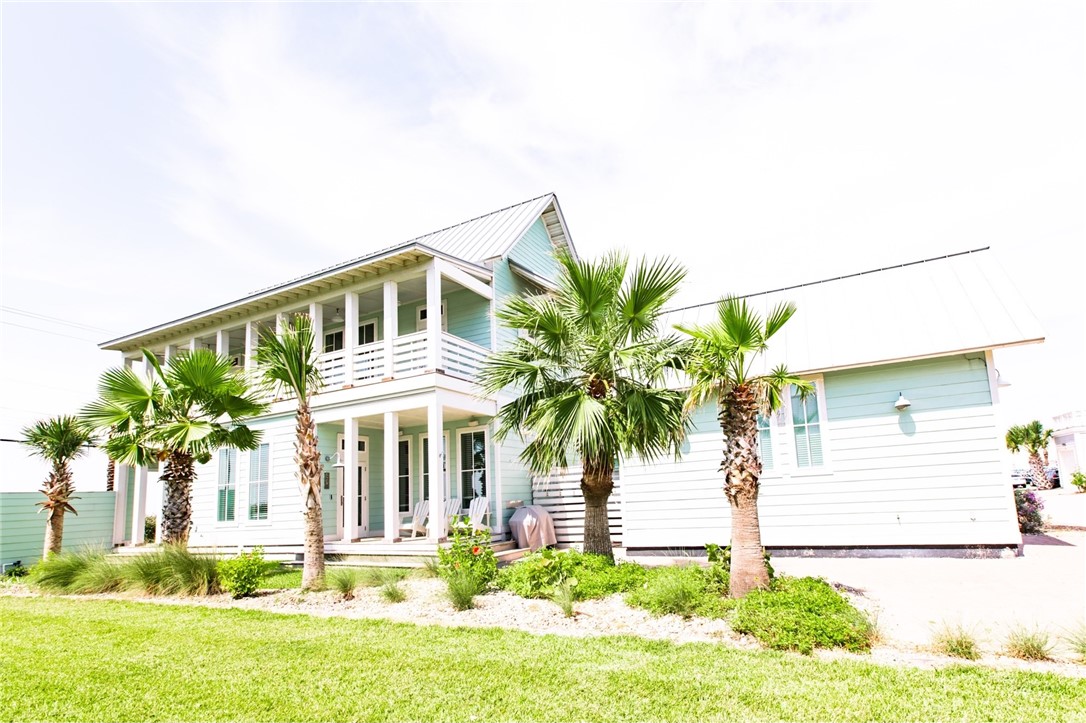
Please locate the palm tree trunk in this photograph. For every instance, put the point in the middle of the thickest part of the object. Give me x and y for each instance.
(597, 483)
(177, 475)
(58, 492)
(309, 467)
(742, 470)
(111, 475)
(1037, 471)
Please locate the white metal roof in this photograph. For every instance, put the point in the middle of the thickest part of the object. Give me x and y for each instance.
(956, 303)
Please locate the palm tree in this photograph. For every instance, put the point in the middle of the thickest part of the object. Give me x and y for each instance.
(589, 366)
(194, 406)
(288, 362)
(1034, 438)
(59, 441)
(720, 366)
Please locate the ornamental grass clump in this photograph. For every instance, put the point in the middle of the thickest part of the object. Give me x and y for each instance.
(1028, 644)
(1029, 507)
(82, 572)
(344, 581)
(1076, 640)
(957, 642)
(173, 570)
(564, 596)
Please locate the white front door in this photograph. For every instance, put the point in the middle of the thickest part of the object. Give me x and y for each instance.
(362, 490)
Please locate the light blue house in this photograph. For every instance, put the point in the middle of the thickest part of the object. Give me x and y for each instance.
(405, 329)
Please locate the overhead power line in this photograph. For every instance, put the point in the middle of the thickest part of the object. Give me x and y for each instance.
(47, 331)
(54, 319)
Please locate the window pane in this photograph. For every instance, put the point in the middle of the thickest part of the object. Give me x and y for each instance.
(405, 475)
(814, 439)
(798, 413)
(472, 465)
(812, 410)
(803, 456)
(258, 483)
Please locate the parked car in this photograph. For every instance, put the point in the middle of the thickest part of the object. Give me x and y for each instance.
(1023, 478)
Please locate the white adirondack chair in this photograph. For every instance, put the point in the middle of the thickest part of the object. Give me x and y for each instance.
(415, 521)
(478, 511)
(452, 509)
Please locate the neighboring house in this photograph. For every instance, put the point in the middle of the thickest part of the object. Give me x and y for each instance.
(848, 468)
(843, 468)
(1069, 439)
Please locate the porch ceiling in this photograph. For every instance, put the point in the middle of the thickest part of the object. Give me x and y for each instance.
(412, 418)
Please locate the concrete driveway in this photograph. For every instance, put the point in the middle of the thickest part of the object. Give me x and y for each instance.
(1044, 588)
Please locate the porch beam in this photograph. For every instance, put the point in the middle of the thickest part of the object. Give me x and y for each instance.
(222, 342)
(463, 278)
(433, 316)
(391, 452)
(350, 330)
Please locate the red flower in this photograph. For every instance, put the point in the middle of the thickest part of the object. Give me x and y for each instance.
(476, 550)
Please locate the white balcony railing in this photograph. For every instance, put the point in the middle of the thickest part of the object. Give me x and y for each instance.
(460, 357)
(410, 354)
(369, 363)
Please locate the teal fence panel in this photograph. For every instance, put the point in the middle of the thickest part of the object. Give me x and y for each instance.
(22, 526)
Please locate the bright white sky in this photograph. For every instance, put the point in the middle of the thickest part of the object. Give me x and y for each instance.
(161, 158)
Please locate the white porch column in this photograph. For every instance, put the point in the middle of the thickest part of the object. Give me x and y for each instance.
(192, 345)
(391, 325)
(139, 505)
(316, 320)
(280, 323)
(350, 479)
(222, 342)
(433, 316)
(171, 352)
(250, 345)
(350, 332)
(391, 522)
(120, 500)
(436, 531)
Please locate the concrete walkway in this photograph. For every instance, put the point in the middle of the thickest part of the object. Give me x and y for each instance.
(1044, 588)
(1064, 506)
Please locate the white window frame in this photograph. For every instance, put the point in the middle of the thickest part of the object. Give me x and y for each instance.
(258, 521)
(367, 322)
(420, 323)
(789, 432)
(410, 473)
(444, 460)
(460, 462)
(775, 440)
(220, 486)
(332, 334)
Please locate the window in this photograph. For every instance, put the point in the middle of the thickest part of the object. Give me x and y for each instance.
(426, 464)
(333, 341)
(258, 483)
(367, 332)
(472, 465)
(228, 463)
(403, 475)
(422, 313)
(765, 442)
(807, 429)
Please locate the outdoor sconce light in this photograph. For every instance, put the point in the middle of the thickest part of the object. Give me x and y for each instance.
(902, 403)
(1000, 381)
(473, 422)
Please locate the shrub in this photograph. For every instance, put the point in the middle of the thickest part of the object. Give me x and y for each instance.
(241, 576)
(1078, 479)
(344, 581)
(564, 596)
(149, 526)
(956, 642)
(469, 554)
(173, 570)
(78, 573)
(430, 568)
(802, 614)
(1028, 645)
(540, 574)
(16, 571)
(721, 558)
(685, 590)
(1029, 507)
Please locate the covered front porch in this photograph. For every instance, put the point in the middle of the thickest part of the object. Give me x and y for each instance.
(388, 446)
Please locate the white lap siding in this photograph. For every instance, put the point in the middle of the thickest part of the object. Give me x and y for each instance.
(929, 476)
(284, 525)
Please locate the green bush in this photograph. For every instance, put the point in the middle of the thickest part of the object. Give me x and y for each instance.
(956, 642)
(173, 570)
(82, 572)
(802, 614)
(1078, 479)
(16, 571)
(241, 576)
(469, 554)
(538, 575)
(685, 590)
(149, 526)
(462, 588)
(721, 558)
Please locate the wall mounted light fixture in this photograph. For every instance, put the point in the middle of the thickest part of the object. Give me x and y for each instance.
(1000, 381)
(902, 403)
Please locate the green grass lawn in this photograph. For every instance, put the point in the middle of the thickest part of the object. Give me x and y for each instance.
(65, 659)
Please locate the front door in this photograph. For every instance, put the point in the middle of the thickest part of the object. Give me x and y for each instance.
(362, 487)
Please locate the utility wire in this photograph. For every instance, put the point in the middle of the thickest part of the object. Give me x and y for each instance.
(46, 331)
(54, 319)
